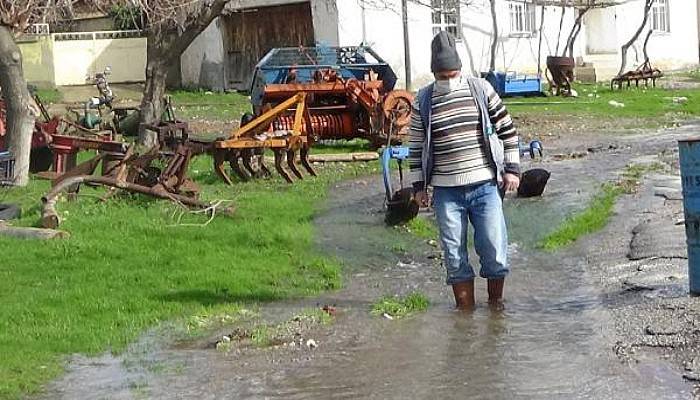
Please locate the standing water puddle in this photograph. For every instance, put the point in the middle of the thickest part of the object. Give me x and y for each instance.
(553, 341)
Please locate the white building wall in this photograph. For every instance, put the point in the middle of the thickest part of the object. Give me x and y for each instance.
(673, 50)
(344, 23)
(384, 32)
(202, 64)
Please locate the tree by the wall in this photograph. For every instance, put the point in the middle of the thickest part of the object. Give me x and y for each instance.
(15, 17)
(575, 30)
(626, 46)
(494, 36)
(172, 25)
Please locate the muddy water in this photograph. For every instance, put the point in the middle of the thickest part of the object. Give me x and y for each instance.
(552, 341)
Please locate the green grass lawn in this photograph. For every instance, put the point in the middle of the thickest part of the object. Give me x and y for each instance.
(200, 104)
(49, 96)
(593, 101)
(694, 75)
(342, 146)
(128, 266)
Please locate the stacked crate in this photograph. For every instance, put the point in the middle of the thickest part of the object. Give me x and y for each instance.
(7, 168)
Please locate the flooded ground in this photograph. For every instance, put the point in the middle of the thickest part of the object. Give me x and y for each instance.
(554, 340)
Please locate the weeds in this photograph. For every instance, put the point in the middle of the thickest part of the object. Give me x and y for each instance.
(290, 331)
(399, 307)
(423, 228)
(595, 216)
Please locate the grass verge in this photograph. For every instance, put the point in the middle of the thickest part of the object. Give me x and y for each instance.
(595, 216)
(399, 307)
(594, 100)
(647, 108)
(128, 265)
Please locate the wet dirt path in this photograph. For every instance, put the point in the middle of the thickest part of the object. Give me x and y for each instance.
(553, 341)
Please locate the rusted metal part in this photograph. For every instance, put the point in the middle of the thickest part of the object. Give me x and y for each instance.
(562, 71)
(338, 125)
(349, 95)
(51, 220)
(174, 176)
(84, 168)
(348, 109)
(66, 148)
(644, 72)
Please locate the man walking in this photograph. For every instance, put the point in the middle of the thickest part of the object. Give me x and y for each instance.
(463, 143)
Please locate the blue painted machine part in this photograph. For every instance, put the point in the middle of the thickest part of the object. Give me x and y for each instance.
(689, 154)
(349, 62)
(398, 153)
(534, 148)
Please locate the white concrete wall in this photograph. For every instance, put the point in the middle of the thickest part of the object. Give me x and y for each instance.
(202, 64)
(75, 59)
(340, 22)
(384, 32)
(673, 50)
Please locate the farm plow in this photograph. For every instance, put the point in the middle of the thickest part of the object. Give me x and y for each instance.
(247, 145)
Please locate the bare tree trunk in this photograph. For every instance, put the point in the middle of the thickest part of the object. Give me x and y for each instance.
(494, 38)
(561, 25)
(646, 42)
(472, 68)
(156, 78)
(626, 46)
(165, 45)
(20, 111)
(539, 44)
(571, 39)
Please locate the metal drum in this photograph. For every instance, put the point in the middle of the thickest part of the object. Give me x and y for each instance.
(689, 150)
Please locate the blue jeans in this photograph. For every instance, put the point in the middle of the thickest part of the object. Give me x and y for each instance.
(482, 205)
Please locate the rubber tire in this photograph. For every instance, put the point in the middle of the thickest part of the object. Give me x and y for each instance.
(9, 211)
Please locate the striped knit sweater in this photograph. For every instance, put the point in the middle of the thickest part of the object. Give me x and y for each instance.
(460, 150)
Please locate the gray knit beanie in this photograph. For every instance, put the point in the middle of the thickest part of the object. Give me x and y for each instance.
(444, 53)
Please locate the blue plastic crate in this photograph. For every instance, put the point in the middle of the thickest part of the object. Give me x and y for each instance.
(513, 84)
(7, 168)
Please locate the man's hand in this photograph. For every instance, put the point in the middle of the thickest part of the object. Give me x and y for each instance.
(511, 182)
(422, 198)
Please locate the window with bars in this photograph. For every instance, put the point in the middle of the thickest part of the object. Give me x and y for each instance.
(659, 16)
(446, 17)
(522, 18)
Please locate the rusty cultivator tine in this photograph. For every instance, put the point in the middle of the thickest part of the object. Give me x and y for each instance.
(251, 162)
(279, 158)
(291, 162)
(304, 152)
(247, 158)
(236, 167)
(220, 157)
(261, 162)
